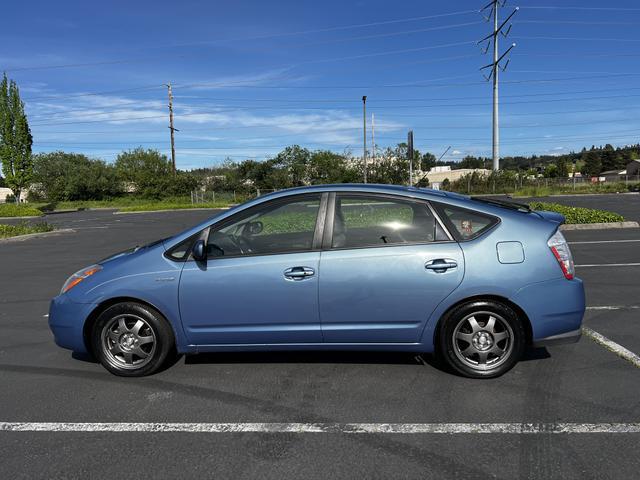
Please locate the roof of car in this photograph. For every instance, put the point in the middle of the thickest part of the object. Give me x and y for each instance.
(368, 187)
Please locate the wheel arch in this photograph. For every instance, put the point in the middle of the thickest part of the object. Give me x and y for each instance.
(101, 307)
(526, 322)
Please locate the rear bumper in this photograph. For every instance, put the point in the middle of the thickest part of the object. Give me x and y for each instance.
(66, 321)
(555, 309)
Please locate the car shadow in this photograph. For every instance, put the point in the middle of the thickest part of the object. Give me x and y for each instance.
(317, 357)
(353, 357)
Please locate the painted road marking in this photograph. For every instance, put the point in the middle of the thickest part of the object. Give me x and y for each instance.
(347, 428)
(619, 350)
(602, 241)
(614, 307)
(609, 265)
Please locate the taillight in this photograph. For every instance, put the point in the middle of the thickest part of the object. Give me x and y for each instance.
(560, 249)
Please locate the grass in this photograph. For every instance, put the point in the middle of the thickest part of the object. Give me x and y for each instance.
(23, 229)
(168, 205)
(578, 214)
(131, 204)
(587, 188)
(13, 210)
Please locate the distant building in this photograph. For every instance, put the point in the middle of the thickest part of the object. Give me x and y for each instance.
(632, 172)
(633, 168)
(437, 175)
(4, 193)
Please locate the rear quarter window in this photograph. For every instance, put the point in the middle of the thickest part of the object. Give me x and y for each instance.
(465, 224)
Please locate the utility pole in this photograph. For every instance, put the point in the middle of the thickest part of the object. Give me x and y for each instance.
(492, 39)
(373, 138)
(172, 129)
(410, 156)
(364, 135)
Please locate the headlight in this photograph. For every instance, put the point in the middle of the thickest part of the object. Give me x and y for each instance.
(79, 276)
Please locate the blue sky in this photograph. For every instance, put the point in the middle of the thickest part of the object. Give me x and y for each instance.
(251, 77)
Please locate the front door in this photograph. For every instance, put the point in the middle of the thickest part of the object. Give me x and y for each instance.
(386, 266)
(259, 284)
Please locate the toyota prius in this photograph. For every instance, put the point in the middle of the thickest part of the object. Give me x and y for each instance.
(334, 267)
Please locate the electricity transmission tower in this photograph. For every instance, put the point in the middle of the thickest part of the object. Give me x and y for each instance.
(495, 66)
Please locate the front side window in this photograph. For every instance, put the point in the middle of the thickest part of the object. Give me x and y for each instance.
(278, 227)
(363, 221)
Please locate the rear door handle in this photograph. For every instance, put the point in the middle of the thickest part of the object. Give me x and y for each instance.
(299, 273)
(441, 265)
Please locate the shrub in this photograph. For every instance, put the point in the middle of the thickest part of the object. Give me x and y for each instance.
(14, 210)
(23, 229)
(578, 214)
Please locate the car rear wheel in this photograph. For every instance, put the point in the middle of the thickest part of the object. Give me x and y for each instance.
(481, 339)
(132, 340)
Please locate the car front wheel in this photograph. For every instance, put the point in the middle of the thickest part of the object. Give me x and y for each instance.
(481, 339)
(132, 340)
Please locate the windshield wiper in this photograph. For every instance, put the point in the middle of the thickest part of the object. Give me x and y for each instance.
(521, 207)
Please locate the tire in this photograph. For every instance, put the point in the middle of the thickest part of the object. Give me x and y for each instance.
(481, 339)
(132, 340)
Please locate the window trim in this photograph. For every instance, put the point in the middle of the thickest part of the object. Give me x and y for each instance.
(439, 207)
(317, 233)
(327, 238)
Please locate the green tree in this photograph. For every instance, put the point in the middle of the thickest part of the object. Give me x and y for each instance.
(428, 161)
(328, 167)
(551, 171)
(150, 174)
(472, 162)
(15, 139)
(592, 163)
(63, 176)
(563, 168)
(295, 161)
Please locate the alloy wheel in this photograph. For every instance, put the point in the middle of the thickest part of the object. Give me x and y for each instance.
(483, 340)
(128, 341)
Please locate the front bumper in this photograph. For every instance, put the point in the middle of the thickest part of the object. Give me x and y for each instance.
(555, 309)
(66, 321)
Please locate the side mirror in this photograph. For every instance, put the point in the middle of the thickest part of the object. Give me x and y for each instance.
(199, 251)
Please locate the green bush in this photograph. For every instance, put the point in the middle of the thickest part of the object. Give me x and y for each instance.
(578, 214)
(63, 176)
(23, 229)
(14, 210)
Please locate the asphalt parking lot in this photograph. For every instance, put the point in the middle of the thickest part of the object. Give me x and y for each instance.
(583, 384)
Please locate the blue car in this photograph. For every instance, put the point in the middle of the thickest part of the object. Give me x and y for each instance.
(334, 267)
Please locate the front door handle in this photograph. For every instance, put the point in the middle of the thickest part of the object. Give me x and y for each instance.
(299, 273)
(441, 265)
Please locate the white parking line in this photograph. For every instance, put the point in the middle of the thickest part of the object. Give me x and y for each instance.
(609, 265)
(347, 428)
(602, 241)
(614, 307)
(619, 350)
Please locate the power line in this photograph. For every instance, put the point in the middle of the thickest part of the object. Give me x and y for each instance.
(550, 7)
(580, 39)
(275, 35)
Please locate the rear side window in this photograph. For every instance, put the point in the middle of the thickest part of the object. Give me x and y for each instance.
(465, 224)
(364, 220)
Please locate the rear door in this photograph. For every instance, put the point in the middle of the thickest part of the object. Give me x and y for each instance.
(386, 263)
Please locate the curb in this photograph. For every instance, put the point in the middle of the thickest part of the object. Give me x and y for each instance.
(22, 218)
(598, 226)
(20, 238)
(171, 210)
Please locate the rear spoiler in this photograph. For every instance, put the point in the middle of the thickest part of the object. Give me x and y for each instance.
(550, 216)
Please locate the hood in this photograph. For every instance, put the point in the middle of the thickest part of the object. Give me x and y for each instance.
(130, 251)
